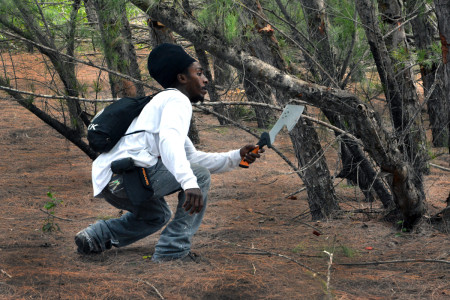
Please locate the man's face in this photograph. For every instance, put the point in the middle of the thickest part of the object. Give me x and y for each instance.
(196, 82)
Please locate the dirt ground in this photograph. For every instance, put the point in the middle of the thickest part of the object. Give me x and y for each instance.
(254, 242)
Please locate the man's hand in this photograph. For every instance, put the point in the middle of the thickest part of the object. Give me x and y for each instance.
(194, 201)
(249, 156)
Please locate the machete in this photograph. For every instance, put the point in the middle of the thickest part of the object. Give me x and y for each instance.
(289, 117)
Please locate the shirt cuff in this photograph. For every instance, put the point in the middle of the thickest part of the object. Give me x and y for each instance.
(190, 184)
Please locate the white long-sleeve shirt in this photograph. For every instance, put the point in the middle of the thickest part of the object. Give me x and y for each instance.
(165, 123)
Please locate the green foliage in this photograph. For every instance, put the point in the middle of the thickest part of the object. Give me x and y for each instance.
(299, 248)
(340, 250)
(49, 223)
(222, 16)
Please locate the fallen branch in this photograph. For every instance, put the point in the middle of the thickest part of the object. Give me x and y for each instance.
(315, 273)
(153, 287)
(60, 218)
(395, 262)
(440, 167)
(296, 192)
(6, 274)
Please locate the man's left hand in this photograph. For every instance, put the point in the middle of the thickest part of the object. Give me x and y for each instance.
(249, 156)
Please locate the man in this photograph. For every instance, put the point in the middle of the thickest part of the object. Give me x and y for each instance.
(157, 143)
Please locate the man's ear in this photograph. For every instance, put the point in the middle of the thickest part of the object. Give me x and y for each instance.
(182, 78)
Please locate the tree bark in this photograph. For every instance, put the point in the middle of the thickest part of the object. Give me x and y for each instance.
(404, 108)
(406, 114)
(258, 46)
(63, 66)
(383, 148)
(314, 11)
(442, 9)
(322, 198)
(355, 166)
(117, 47)
(64, 130)
(424, 33)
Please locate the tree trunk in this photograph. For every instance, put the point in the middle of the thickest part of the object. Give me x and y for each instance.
(63, 129)
(322, 198)
(314, 11)
(404, 108)
(64, 67)
(424, 33)
(407, 113)
(257, 46)
(117, 47)
(443, 16)
(355, 166)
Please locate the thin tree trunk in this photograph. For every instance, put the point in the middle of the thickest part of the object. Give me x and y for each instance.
(63, 129)
(442, 9)
(406, 114)
(63, 67)
(355, 166)
(322, 198)
(424, 32)
(117, 47)
(257, 45)
(314, 11)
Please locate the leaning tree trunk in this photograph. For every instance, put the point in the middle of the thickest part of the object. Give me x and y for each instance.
(117, 47)
(443, 16)
(322, 198)
(380, 144)
(407, 113)
(63, 66)
(355, 166)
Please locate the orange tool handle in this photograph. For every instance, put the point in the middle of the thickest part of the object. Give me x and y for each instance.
(244, 163)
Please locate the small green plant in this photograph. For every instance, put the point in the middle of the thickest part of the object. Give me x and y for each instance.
(50, 206)
(298, 248)
(348, 252)
(401, 227)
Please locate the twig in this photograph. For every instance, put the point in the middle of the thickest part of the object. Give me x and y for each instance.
(6, 274)
(8, 89)
(54, 215)
(78, 60)
(296, 192)
(395, 261)
(269, 182)
(440, 167)
(316, 229)
(315, 273)
(330, 263)
(153, 287)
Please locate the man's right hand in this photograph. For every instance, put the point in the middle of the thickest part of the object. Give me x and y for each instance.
(194, 201)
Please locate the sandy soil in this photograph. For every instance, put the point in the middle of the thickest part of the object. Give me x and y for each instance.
(255, 243)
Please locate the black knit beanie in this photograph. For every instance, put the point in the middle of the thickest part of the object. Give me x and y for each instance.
(166, 61)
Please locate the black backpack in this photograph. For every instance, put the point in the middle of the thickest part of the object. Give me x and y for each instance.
(111, 123)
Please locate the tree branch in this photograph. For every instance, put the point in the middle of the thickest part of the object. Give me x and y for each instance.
(395, 262)
(88, 63)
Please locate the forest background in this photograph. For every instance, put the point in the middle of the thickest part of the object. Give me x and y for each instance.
(374, 78)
